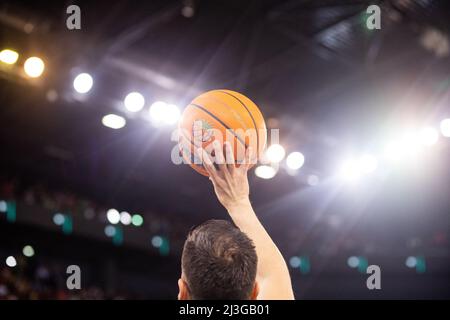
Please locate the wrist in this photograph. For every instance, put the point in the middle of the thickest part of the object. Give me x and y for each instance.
(236, 205)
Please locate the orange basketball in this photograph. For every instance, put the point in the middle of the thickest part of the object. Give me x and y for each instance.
(222, 115)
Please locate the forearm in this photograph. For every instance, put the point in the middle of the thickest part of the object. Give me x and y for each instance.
(272, 272)
(232, 190)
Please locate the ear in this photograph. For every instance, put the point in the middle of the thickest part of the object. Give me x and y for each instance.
(183, 293)
(255, 291)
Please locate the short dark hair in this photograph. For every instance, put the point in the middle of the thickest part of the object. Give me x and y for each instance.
(219, 262)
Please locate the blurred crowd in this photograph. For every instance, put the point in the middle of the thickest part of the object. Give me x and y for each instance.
(36, 279)
(57, 200)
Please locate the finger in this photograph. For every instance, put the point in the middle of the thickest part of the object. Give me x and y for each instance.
(198, 158)
(218, 154)
(229, 156)
(249, 158)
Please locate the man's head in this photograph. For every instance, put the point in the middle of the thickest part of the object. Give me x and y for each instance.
(218, 262)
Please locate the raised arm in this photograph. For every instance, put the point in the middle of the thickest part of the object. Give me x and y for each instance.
(232, 189)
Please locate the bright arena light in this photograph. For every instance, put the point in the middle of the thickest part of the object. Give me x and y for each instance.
(3, 206)
(407, 147)
(295, 160)
(58, 219)
(114, 121)
(9, 56)
(134, 101)
(295, 262)
(125, 218)
(275, 153)
(392, 151)
(137, 220)
(110, 231)
(34, 67)
(265, 172)
(164, 113)
(113, 216)
(172, 114)
(411, 262)
(428, 136)
(350, 170)
(445, 127)
(368, 163)
(28, 251)
(11, 262)
(83, 83)
(157, 111)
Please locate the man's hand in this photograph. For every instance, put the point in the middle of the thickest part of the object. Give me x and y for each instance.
(230, 182)
(232, 189)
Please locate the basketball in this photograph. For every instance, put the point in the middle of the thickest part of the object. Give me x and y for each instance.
(222, 115)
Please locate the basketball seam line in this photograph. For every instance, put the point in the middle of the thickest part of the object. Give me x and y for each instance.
(220, 121)
(189, 139)
(250, 114)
